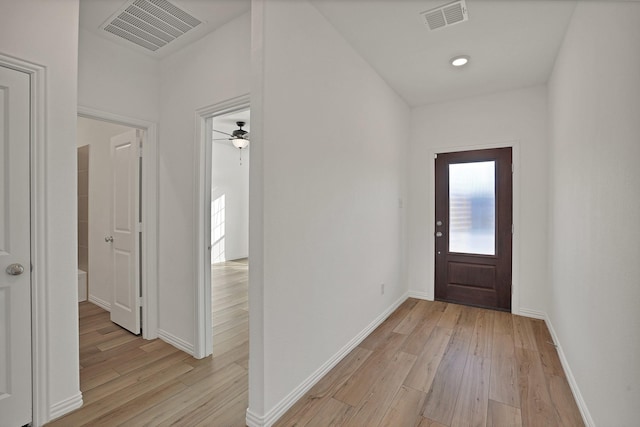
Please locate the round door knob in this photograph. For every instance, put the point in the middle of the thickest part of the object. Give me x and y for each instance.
(438, 234)
(15, 269)
(108, 239)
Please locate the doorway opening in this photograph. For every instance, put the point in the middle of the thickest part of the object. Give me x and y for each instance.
(222, 232)
(473, 227)
(109, 236)
(229, 225)
(118, 163)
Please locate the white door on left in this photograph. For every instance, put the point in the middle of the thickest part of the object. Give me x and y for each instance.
(15, 257)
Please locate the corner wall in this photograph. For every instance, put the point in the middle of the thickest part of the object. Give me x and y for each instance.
(594, 99)
(326, 222)
(211, 70)
(46, 33)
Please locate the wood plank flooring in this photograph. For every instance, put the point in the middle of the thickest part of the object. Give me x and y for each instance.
(128, 381)
(432, 364)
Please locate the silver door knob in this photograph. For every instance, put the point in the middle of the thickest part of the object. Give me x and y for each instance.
(15, 269)
(108, 239)
(439, 234)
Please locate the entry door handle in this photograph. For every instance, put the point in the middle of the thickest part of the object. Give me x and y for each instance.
(439, 234)
(15, 269)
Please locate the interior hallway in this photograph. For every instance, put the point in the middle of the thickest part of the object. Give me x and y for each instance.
(433, 364)
(126, 380)
(430, 364)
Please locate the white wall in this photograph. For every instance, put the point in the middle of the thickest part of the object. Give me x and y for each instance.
(213, 69)
(97, 135)
(505, 117)
(114, 79)
(46, 33)
(231, 179)
(594, 98)
(120, 81)
(331, 137)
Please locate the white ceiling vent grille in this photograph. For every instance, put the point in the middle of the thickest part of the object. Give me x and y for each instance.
(150, 24)
(444, 16)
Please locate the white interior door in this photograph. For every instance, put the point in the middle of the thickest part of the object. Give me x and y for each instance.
(15, 250)
(125, 293)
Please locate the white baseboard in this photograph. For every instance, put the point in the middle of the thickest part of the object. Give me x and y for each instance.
(105, 305)
(254, 420)
(535, 314)
(65, 406)
(176, 342)
(420, 295)
(582, 405)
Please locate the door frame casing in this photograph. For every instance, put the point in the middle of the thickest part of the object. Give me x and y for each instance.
(39, 275)
(515, 256)
(203, 345)
(149, 209)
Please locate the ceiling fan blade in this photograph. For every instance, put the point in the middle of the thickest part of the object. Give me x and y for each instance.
(222, 139)
(219, 131)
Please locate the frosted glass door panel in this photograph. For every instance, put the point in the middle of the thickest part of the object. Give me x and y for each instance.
(472, 208)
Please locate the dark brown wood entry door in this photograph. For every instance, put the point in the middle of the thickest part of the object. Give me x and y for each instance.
(474, 228)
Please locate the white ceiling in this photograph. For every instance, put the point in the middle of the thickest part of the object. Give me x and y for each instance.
(213, 14)
(511, 44)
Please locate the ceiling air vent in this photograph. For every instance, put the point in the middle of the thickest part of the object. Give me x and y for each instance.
(150, 24)
(446, 15)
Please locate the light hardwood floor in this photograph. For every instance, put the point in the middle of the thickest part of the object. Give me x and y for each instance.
(128, 381)
(430, 364)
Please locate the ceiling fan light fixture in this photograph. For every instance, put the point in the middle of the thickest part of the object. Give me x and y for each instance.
(240, 143)
(460, 60)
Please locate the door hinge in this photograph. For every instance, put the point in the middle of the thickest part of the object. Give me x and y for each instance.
(139, 227)
(512, 229)
(140, 149)
(512, 168)
(139, 301)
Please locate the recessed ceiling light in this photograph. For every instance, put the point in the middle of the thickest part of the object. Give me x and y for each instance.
(459, 61)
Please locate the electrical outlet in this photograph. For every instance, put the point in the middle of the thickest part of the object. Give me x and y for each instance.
(382, 289)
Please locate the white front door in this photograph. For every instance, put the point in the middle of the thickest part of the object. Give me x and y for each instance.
(15, 250)
(125, 220)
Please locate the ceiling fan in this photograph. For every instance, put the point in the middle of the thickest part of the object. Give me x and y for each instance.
(239, 137)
